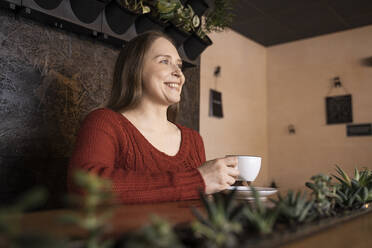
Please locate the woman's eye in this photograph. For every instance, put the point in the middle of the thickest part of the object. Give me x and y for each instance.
(164, 61)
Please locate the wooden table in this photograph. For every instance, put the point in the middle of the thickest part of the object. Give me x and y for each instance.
(355, 232)
(125, 218)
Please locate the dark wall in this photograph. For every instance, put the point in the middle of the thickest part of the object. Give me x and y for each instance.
(49, 80)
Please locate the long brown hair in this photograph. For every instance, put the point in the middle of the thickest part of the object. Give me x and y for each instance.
(127, 83)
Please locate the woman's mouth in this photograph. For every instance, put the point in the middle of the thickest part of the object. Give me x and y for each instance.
(175, 86)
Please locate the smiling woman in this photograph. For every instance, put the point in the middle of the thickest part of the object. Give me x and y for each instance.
(135, 141)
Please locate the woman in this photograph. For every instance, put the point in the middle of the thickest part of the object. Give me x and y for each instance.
(134, 142)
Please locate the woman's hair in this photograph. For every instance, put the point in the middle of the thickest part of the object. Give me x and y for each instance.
(127, 83)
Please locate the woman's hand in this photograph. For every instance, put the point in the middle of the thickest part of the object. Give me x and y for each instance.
(219, 174)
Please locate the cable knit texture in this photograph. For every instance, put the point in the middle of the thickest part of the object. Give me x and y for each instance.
(109, 145)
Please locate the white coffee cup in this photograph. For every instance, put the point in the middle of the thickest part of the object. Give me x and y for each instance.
(249, 167)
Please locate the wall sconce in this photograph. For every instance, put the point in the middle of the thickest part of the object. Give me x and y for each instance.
(337, 82)
(291, 129)
(217, 71)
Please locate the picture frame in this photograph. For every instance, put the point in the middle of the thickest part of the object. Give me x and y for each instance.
(339, 109)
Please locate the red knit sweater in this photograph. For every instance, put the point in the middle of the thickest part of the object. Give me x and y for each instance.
(109, 145)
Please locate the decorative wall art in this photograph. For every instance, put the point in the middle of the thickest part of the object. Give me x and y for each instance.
(215, 101)
(339, 109)
(359, 129)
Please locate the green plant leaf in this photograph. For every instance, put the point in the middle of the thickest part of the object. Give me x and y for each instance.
(356, 173)
(200, 217)
(210, 209)
(310, 185)
(365, 194)
(344, 175)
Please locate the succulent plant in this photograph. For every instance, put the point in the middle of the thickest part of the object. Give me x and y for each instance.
(220, 226)
(321, 186)
(258, 216)
(324, 195)
(294, 208)
(355, 192)
(361, 179)
(159, 234)
(95, 193)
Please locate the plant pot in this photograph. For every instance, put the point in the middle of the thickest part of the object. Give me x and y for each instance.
(118, 18)
(146, 23)
(177, 35)
(48, 4)
(194, 46)
(88, 10)
(199, 6)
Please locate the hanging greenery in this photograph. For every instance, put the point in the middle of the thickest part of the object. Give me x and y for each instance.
(135, 6)
(216, 20)
(181, 16)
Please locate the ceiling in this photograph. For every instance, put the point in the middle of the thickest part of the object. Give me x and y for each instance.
(272, 22)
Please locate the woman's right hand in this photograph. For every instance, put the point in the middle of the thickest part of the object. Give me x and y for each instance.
(219, 174)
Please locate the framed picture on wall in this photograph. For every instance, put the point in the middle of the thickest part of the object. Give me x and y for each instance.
(339, 109)
(215, 104)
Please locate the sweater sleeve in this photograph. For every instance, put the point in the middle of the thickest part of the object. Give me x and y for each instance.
(199, 145)
(98, 150)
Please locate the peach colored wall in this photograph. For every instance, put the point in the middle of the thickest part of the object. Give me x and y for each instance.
(243, 130)
(299, 76)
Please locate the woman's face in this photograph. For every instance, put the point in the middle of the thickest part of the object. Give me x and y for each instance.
(162, 76)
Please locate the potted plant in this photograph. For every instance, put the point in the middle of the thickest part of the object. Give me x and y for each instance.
(159, 233)
(147, 22)
(353, 193)
(121, 14)
(48, 4)
(151, 20)
(88, 10)
(324, 195)
(215, 20)
(258, 217)
(183, 22)
(219, 17)
(294, 208)
(182, 19)
(195, 45)
(199, 6)
(220, 226)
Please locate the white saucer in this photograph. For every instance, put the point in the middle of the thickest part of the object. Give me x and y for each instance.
(245, 192)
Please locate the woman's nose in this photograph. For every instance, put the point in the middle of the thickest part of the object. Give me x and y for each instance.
(177, 70)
